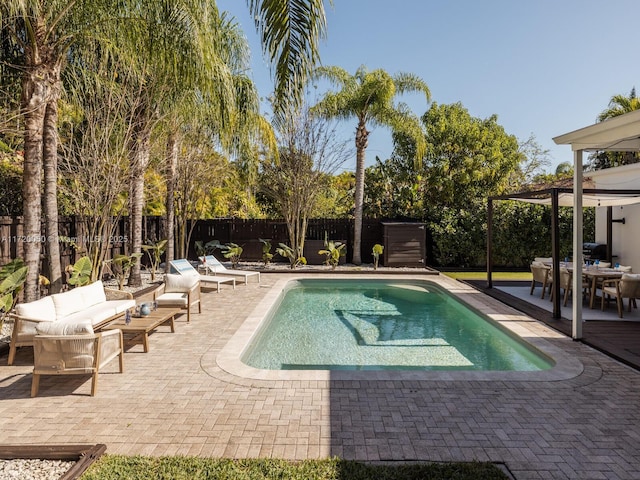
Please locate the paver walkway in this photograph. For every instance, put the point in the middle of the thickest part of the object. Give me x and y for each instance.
(173, 401)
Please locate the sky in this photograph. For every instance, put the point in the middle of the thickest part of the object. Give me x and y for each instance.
(544, 67)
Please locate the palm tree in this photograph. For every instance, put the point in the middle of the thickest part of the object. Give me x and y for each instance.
(618, 105)
(369, 96)
(42, 33)
(290, 32)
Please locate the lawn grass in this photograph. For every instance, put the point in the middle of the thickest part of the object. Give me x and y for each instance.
(112, 467)
(483, 275)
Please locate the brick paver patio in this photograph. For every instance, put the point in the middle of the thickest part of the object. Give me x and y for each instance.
(176, 400)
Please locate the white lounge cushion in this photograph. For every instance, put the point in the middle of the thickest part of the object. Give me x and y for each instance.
(64, 328)
(179, 283)
(42, 310)
(173, 299)
(631, 276)
(93, 293)
(68, 302)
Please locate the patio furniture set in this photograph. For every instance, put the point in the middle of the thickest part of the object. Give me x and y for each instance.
(618, 282)
(83, 329)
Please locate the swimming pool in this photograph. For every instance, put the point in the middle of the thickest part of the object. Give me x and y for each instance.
(382, 324)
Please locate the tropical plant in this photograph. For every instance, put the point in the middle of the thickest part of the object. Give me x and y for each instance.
(123, 264)
(12, 278)
(376, 251)
(369, 97)
(266, 250)
(208, 248)
(80, 272)
(310, 152)
(289, 253)
(333, 251)
(232, 251)
(290, 31)
(618, 105)
(154, 250)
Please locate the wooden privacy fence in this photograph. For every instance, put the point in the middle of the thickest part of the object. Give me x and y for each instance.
(245, 233)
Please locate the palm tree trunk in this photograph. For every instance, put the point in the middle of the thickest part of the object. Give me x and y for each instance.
(136, 200)
(361, 145)
(172, 154)
(50, 162)
(33, 105)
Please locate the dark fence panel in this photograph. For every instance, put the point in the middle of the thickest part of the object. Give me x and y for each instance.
(245, 233)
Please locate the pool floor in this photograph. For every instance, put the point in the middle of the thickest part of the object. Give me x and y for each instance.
(230, 358)
(379, 324)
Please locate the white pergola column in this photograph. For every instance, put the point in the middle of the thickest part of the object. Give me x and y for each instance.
(577, 246)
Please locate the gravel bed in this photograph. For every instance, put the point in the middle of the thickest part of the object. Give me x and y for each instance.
(34, 469)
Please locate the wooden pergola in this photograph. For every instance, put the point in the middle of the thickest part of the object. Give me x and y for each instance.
(561, 197)
(617, 134)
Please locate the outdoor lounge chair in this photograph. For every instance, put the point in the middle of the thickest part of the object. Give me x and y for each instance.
(74, 349)
(181, 291)
(626, 287)
(211, 264)
(183, 267)
(541, 274)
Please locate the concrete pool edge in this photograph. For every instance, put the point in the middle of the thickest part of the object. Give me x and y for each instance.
(532, 331)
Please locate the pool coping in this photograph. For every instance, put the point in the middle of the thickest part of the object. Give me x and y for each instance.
(534, 332)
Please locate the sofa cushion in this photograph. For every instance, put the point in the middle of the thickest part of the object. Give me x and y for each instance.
(63, 328)
(42, 310)
(68, 302)
(93, 294)
(173, 299)
(179, 283)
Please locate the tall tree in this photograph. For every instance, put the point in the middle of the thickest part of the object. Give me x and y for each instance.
(369, 97)
(309, 154)
(618, 105)
(37, 35)
(290, 32)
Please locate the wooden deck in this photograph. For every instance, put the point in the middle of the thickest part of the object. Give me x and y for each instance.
(618, 339)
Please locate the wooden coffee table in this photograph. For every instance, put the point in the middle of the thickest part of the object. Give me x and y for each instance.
(141, 327)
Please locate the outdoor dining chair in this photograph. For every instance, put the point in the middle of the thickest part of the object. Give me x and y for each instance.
(541, 274)
(626, 287)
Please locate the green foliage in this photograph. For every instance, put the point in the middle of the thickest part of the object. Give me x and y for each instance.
(123, 264)
(12, 278)
(80, 272)
(376, 251)
(232, 251)
(10, 188)
(266, 250)
(333, 251)
(208, 248)
(154, 250)
(290, 254)
(112, 467)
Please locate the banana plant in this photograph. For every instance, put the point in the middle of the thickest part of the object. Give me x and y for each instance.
(232, 251)
(376, 252)
(124, 264)
(333, 252)
(80, 272)
(154, 251)
(286, 251)
(12, 278)
(266, 250)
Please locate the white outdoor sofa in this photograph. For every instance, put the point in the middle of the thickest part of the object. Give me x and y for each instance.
(91, 304)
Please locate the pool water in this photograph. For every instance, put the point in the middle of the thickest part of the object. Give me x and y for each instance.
(373, 324)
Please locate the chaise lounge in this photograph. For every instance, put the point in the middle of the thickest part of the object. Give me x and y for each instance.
(183, 267)
(211, 264)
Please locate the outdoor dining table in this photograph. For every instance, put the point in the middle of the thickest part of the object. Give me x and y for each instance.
(595, 273)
